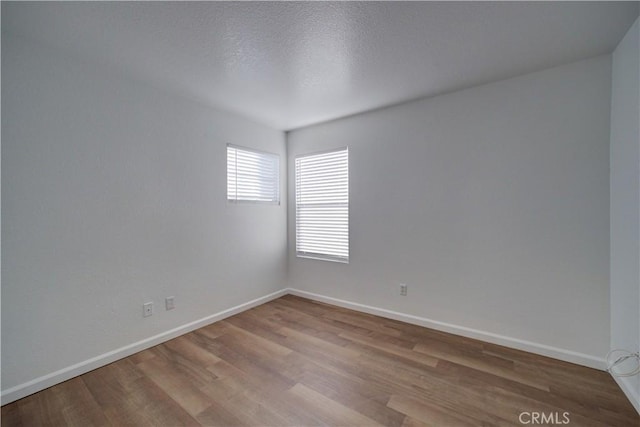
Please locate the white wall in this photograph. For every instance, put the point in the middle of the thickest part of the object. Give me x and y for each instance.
(491, 203)
(114, 194)
(625, 202)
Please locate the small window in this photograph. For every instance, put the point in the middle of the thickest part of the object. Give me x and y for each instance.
(252, 176)
(322, 206)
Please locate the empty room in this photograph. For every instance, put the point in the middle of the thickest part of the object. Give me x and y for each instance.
(320, 213)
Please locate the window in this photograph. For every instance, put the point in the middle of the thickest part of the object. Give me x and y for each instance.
(252, 176)
(322, 206)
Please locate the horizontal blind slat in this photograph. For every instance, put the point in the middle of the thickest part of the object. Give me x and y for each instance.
(252, 175)
(322, 205)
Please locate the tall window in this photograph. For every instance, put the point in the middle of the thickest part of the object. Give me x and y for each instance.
(252, 176)
(322, 206)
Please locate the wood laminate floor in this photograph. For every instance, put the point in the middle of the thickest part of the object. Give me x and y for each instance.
(294, 362)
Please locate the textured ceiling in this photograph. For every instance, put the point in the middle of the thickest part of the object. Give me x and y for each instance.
(292, 64)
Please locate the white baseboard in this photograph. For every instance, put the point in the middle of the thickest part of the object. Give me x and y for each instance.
(532, 347)
(627, 389)
(45, 381)
(38, 384)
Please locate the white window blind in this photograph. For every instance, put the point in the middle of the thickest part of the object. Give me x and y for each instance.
(322, 206)
(252, 176)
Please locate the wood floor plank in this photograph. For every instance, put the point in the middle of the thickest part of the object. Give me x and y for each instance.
(441, 390)
(342, 389)
(479, 385)
(70, 403)
(412, 422)
(363, 323)
(252, 412)
(177, 386)
(429, 414)
(290, 411)
(218, 416)
(330, 410)
(234, 353)
(314, 308)
(335, 350)
(257, 342)
(30, 412)
(78, 405)
(11, 415)
(416, 356)
(182, 364)
(480, 364)
(227, 387)
(191, 351)
(141, 356)
(139, 402)
(296, 362)
(307, 324)
(112, 396)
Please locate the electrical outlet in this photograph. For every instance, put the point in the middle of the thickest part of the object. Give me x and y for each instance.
(147, 309)
(169, 303)
(403, 289)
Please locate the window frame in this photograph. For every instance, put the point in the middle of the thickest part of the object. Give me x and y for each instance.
(315, 255)
(277, 178)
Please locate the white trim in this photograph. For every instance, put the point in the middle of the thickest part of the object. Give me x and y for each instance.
(38, 384)
(532, 347)
(627, 389)
(45, 381)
